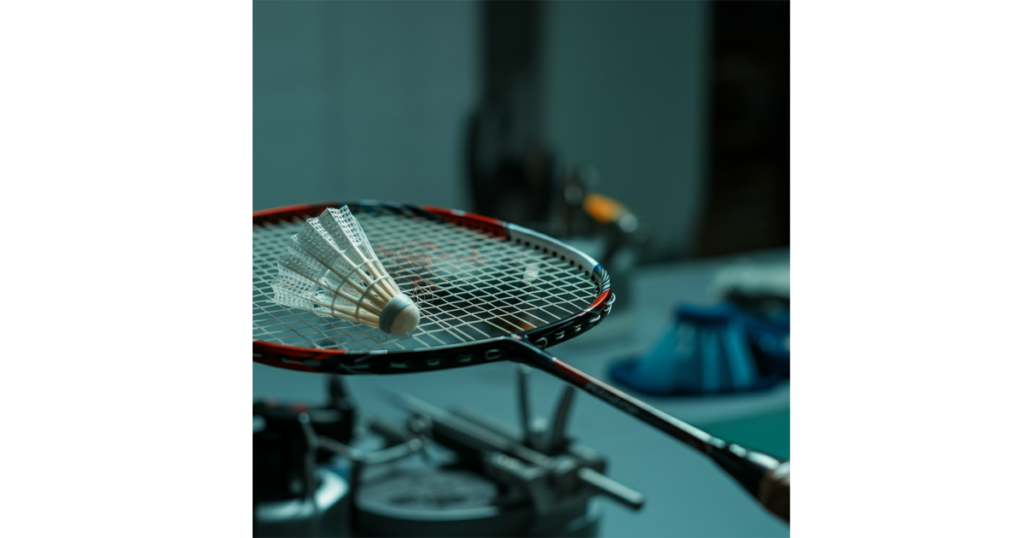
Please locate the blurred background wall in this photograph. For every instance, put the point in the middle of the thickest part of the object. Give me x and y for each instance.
(678, 110)
(627, 94)
(361, 100)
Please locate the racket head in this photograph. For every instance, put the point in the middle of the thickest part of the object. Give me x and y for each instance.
(484, 288)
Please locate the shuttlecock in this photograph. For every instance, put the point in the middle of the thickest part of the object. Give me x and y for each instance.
(331, 270)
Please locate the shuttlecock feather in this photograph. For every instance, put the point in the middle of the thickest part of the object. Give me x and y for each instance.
(331, 270)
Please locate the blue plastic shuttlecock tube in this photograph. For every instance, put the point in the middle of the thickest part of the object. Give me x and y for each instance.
(769, 339)
(704, 351)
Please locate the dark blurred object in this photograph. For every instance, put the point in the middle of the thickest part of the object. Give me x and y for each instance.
(511, 178)
(337, 418)
(511, 172)
(748, 185)
(292, 494)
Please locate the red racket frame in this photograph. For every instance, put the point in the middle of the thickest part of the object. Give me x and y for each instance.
(389, 361)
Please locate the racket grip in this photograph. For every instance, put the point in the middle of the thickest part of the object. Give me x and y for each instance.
(748, 467)
(776, 492)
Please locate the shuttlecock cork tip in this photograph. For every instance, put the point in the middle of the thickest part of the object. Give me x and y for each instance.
(400, 316)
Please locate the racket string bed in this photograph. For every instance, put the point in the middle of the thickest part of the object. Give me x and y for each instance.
(468, 284)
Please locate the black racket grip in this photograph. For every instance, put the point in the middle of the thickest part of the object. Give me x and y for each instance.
(748, 467)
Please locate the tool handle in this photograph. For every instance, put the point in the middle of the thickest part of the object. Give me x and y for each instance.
(617, 491)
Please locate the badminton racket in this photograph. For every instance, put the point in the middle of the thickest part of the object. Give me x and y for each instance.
(487, 291)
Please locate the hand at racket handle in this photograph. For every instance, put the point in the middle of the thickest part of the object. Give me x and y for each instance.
(774, 493)
(763, 476)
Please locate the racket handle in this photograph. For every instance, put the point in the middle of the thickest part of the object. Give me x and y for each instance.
(756, 472)
(749, 468)
(776, 492)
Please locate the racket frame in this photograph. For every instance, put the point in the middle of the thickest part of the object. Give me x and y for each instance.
(349, 362)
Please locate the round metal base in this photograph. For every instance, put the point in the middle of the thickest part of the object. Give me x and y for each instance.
(457, 503)
(327, 513)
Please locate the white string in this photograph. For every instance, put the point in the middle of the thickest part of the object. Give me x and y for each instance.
(468, 285)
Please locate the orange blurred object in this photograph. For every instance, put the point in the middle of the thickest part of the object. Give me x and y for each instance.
(602, 208)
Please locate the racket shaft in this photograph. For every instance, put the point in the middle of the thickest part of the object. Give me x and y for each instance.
(748, 467)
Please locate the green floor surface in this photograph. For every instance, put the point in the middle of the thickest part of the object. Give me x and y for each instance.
(768, 433)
